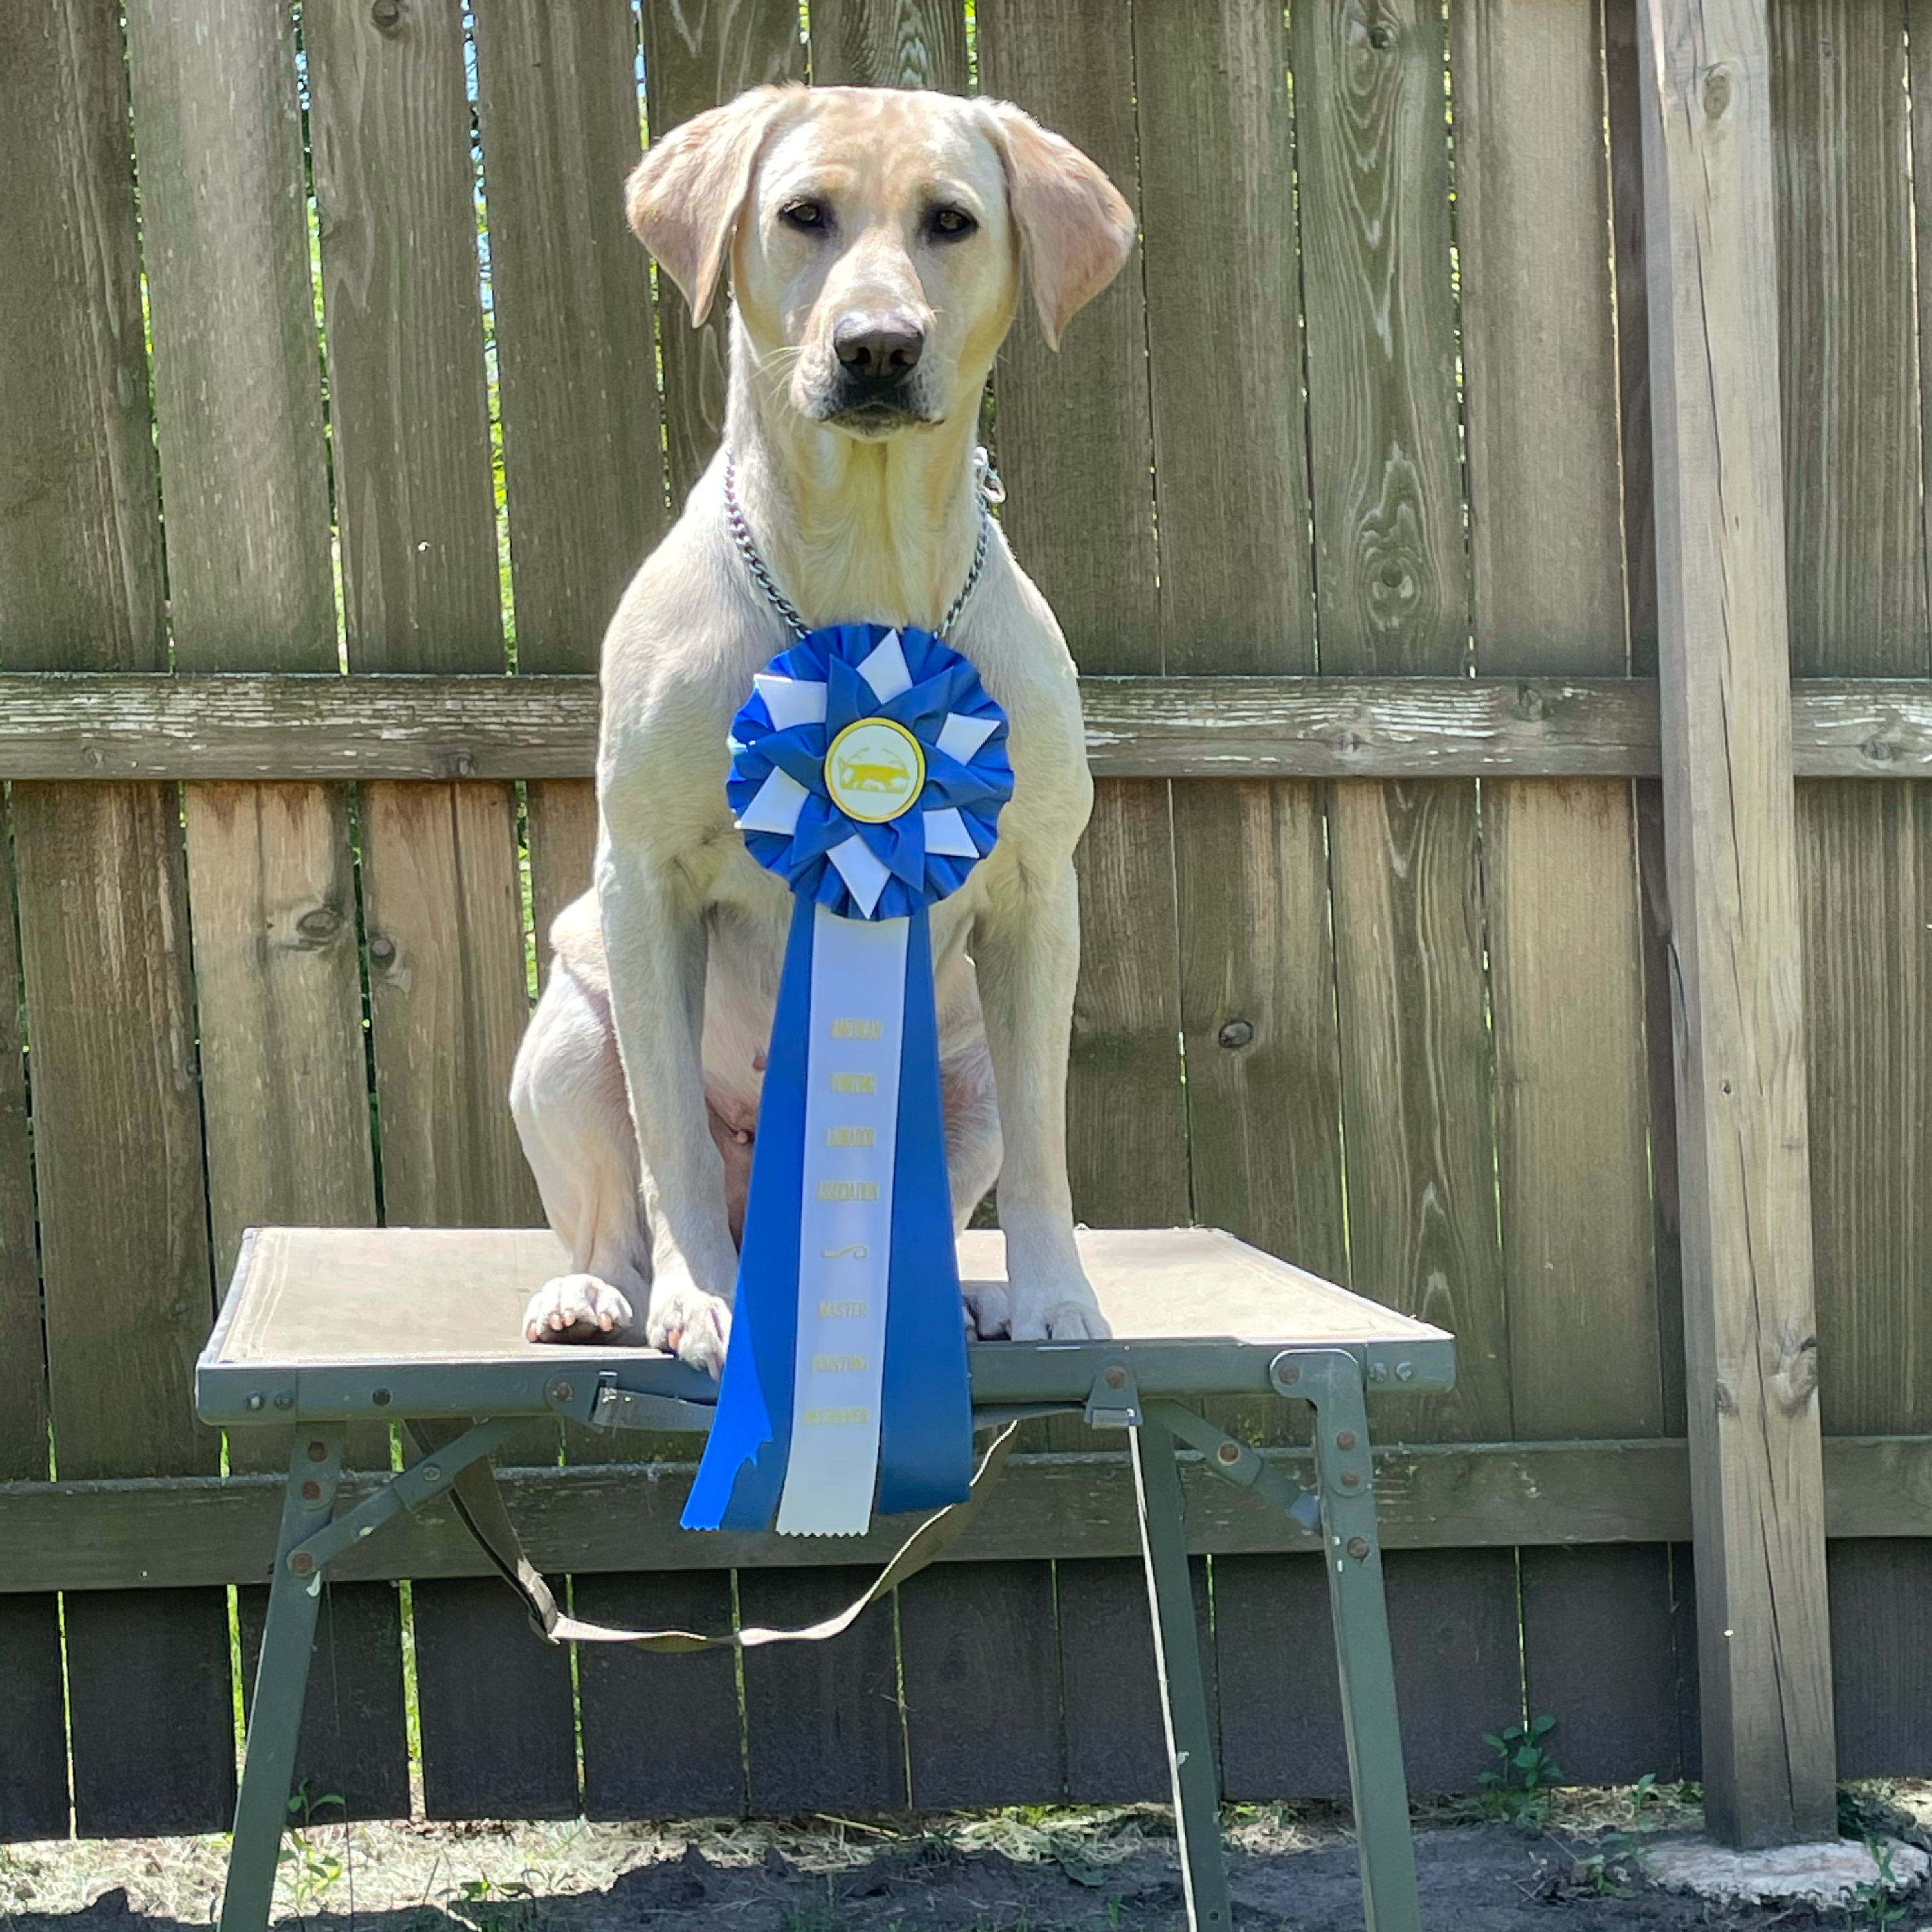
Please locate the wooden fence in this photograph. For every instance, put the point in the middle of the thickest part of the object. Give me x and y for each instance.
(1344, 496)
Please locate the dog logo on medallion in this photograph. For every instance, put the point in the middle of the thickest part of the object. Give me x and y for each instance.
(874, 770)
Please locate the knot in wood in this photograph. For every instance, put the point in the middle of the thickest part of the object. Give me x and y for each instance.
(319, 923)
(1716, 92)
(386, 15)
(1236, 1033)
(382, 950)
(1795, 1380)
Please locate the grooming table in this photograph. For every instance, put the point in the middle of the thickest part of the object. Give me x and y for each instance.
(309, 1334)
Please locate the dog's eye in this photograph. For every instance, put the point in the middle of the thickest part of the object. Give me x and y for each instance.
(951, 224)
(807, 217)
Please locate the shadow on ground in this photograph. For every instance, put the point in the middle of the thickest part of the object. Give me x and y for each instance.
(1474, 1878)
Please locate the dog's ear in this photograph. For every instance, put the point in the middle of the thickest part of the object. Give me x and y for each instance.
(1076, 231)
(685, 197)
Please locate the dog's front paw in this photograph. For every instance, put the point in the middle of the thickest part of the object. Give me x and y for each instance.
(575, 1308)
(686, 1322)
(1066, 1314)
(988, 1306)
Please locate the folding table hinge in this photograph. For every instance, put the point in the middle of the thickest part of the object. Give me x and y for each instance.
(615, 1408)
(1114, 1402)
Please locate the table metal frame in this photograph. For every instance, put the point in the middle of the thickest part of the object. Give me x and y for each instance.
(1146, 1387)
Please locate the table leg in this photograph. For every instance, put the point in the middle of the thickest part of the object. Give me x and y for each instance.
(1190, 1744)
(1332, 1380)
(281, 1684)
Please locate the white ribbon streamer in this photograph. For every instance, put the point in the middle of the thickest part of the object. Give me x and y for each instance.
(851, 1123)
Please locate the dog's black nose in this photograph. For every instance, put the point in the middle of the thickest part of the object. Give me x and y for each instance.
(877, 349)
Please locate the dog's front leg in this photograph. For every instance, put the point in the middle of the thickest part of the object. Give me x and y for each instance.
(654, 942)
(1026, 949)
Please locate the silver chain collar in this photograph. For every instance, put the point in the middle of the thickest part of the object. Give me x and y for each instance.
(986, 480)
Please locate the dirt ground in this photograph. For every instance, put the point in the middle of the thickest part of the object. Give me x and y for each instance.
(1579, 1869)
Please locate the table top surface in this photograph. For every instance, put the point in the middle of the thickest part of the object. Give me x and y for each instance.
(394, 1308)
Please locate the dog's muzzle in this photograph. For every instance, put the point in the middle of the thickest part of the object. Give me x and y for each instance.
(875, 387)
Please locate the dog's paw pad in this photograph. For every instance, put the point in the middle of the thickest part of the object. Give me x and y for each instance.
(576, 1308)
(1060, 1317)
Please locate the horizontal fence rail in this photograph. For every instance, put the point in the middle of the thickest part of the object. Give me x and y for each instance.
(177, 1532)
(314, 727)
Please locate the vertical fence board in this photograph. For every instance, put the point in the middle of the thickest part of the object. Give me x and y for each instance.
(353, 1746)
(1110, 1688)
(1710, 247)
(238, 402)
(571, 294)
(1600, 1655)
(660, 1733)
(982, 1686)
(442, 889)
(1560, 883)
(889, 43)
(1855, 565)
(103, 920)
(1075, 442)
(1392, 576)
(1881, 1593)
(1453, 1625)
(824, 1730)
(696, 58)
(1223, 294)
(1622, 83)
(33, 1718)
(490, 1693)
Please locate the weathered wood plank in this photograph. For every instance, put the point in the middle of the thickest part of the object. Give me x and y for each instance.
(1711, 256)
(1560, 888)
(1075, 444)
(442, 889)
(498, 1718)
(1251, 871)
(979, 1649)
(889, 43)
(33, 1716)
(57, 725)
(572, 312)
(1881, 1646)
(103, 916)
(1391, 562)
(179, 1531)
(1453, 1622)
(696, 57)
(660, 1733)
(354, 1740)
(1109, 1686)
(1600, 1654)
(1856, 583)
(824, 1730)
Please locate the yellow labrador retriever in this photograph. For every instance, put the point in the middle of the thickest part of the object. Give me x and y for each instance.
(875, 242)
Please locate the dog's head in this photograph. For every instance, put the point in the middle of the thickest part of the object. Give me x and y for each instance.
(876, 239)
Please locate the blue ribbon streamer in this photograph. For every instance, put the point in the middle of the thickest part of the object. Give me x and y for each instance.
(925, 1453)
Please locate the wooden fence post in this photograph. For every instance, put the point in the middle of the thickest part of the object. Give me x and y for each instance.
(1751, 1353)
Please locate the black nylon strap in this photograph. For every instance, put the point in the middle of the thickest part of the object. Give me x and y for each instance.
(479, 1504)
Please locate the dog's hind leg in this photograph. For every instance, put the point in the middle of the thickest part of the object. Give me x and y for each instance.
(567, 1095)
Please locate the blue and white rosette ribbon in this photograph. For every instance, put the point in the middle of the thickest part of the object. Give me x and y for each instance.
(867, 771)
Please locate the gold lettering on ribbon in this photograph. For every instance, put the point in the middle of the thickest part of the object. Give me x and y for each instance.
(848, 1190)
(842, 1311)
(857, 1029)
(855, 1083)
(838, 1365)
(836, 1418)
(850, 1136)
